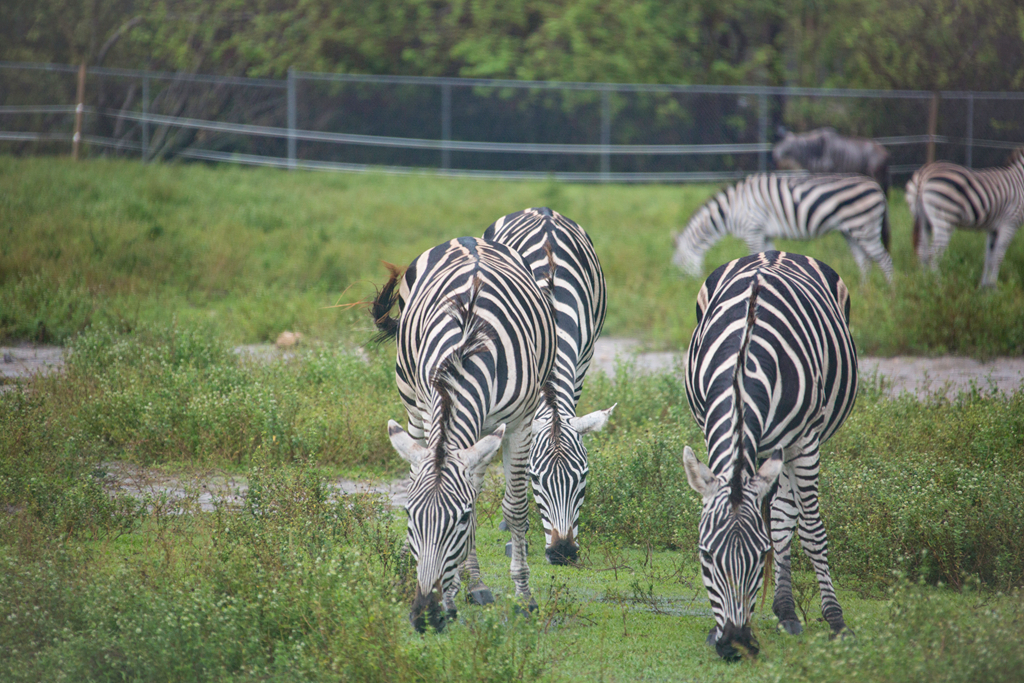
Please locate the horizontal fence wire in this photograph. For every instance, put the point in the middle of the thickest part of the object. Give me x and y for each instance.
(483, 128)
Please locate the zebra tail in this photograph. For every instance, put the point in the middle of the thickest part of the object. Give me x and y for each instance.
(550, 298)
(739, 395)
(380, 307)
(885, 227)
(920, 219)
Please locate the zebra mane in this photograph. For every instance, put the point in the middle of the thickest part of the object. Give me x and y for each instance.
(549, 389)
(739, 425)
(476, 332)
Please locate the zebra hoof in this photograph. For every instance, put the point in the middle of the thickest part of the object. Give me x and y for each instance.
(791, 626)
(481, 596)
(843, 632)
(531, 607)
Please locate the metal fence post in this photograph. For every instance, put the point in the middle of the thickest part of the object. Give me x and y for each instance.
(291, 118)
(446, 125)
(76, 139)
(970, 129)
(145, 119)
(933, 125)
(606, 133)
(762, 131)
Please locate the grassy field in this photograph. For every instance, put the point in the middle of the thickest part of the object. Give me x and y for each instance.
(924, 503)
(150, 274)
(248, 253)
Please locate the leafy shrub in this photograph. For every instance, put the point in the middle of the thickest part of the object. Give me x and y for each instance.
(298, 585)
(180, 394)
(926, 637)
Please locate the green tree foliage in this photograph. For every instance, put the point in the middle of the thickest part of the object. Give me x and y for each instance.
(925, 44)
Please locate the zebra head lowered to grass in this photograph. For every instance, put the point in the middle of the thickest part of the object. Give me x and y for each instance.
(558, 459)
(944, 196)
(771, 373)
(765, 206)
(475, 338)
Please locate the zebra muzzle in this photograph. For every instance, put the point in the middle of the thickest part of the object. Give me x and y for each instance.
(563, 550)
(426, 609)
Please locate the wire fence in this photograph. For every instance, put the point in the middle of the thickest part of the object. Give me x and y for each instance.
(605, 132)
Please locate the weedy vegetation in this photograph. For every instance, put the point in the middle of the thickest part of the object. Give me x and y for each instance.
(151, 275)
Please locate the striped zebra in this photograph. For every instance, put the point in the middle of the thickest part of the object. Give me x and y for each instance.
(476, 338)
(558, 460)
(771, 371)
(768, 205)
(943, 196)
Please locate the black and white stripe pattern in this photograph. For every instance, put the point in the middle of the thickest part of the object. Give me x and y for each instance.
(765, 206)
(771, 370)
(943, 196)
(558, 460)
(476, 339)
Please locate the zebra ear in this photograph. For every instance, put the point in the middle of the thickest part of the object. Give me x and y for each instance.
(768, 473)
(405, 445)
(479, 455)
(593, 422)
(701, 479)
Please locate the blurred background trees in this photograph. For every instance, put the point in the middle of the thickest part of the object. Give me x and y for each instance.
(918, 44)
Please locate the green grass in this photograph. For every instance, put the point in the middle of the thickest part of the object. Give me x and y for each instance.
(252, 252)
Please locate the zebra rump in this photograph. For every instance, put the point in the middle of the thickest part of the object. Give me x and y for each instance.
(771, 375)
(944, 196)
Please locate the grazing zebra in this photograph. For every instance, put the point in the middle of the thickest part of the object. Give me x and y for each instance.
(766, 205)
(826, 151)
(771, 370)
(476, 338)
(558, 460)
(943, 196)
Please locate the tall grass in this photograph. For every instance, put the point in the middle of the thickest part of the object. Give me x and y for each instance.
(252, 252)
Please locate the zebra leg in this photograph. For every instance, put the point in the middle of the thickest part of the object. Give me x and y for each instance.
(998, 242)
(514, 506)
(449, 598)
(812, 531)
(783, 520)
(756, 240)
(477, 592)
(860, 255)
(942, 233)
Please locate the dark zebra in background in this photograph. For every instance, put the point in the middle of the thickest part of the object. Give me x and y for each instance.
(558, 459)
(771, 371)
(765, 206)
(476, 339)
(943, 196)
(825, 151)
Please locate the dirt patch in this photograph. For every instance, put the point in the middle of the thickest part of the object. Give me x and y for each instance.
(206, 490)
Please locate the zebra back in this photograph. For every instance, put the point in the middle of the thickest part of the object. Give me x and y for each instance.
(579, 286)
(801, 367)
(766, 206)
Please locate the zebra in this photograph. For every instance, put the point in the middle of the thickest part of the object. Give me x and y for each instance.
(826, 151)
(558, 460)
(771, 371)
(476, 339)
(943, 196)
(768, 205)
